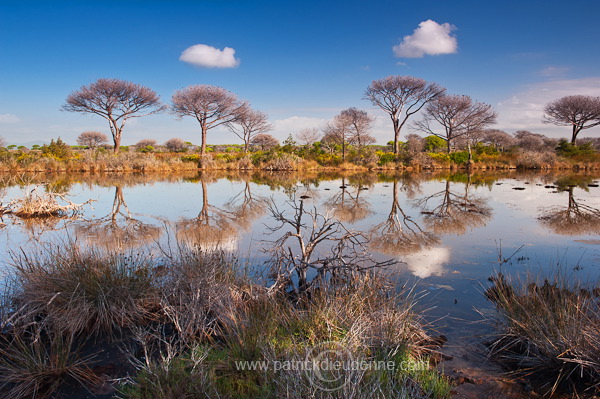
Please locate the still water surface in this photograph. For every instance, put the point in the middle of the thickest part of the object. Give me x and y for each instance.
(445, 230)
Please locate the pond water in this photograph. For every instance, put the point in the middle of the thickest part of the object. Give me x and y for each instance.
(445, 230)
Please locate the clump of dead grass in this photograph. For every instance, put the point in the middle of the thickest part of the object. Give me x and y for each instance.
(548, 328)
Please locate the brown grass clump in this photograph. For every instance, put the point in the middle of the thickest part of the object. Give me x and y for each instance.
(549, 329)
(35, 361)
(80, 289)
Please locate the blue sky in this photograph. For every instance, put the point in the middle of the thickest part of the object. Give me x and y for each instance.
(300, 62)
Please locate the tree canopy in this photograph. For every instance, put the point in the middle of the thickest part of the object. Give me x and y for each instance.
(211, 106)
(579, 112)
(116, 101)
(401, 97)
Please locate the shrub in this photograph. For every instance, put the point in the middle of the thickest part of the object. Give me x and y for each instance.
(191, 158)
(459, 157)
(434, 143)
(146, 149)
(176, 145)
(569, 150)
(57, 149)
(385, 157)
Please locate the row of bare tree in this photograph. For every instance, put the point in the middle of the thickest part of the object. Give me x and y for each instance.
(450, 117)
(118, 101)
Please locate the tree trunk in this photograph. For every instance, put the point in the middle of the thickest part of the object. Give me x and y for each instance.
(470, 161)
(448, 145)
(575, 132)
(396, 134)
(117, 141)
(203, 148)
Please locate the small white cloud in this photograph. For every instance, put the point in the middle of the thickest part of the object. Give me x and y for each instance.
(210, 57)
(430, 38)
(9, 118)
(401, 63)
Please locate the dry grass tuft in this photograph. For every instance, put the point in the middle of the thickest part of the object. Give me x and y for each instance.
(549, 329)
(82, 289)
(35, 361)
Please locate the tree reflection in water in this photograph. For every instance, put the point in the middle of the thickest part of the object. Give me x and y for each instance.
(119, 229)
(348, 207)
(400, 234)
(218, 228)
(576, 218)
(448, 212)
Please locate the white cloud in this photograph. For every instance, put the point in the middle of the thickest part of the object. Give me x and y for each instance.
(525, 110)
(430, 38)
(9, 118)
(210, 57)
(428, 262)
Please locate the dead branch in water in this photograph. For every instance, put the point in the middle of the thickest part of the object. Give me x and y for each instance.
(292, 260)
(34, 204)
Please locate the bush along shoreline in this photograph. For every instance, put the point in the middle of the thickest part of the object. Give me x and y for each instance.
(58, 156)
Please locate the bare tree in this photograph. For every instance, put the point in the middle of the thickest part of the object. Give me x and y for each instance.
(308, 136)
(351, 126)
(296, 252)
(336, 132)
(2, 141)
(249, 124)
(330, 140)
(580, 112)
(415, 144)
(529, 141)
(401, 97)
(116, 101)
(359, 124)
(92, 139)
(459, 116)
(264, 141)
(175, 145)
(211, 106)
(498, 138)
(145, 143)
